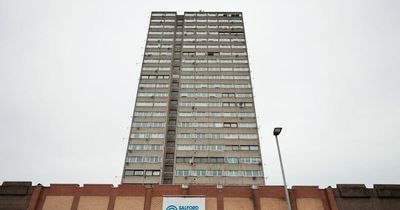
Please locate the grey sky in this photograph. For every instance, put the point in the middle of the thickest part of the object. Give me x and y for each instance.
(326, 71)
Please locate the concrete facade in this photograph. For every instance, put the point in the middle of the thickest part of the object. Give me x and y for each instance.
(359, 197)
(194, 119)
(15, 195)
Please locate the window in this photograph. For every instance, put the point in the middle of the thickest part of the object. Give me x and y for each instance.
(152, 94)
(153, 85)
(182, 172)
(155, 76)
(253, 173)
(230, 125)
(200, 160)
(191, 54)
(184, 147)
(228, 95)
(218, 136)
(189, 33)
(216, 147)
(198, 172)
(226, 69)
(142, 172)
(250, 160)
(215, 173)
(233, 173)
(184, 160)
(216, 114)
(203, 172)
(239, 61)
(200, 125)
(145, 147)
(147, 135)
(244, 95)
(187, 69)
(138, 173)
(149, 114)
(216, 160)
(253, 148)
(180, 160)
(213, 53)
(129, 172)
(241, 69)
(228, 104)
(140, 159)
(232, 160)
(245, 148)
(148, 124)
(165, 53)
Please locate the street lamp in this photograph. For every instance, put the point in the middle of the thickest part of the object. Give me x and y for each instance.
(277, 131)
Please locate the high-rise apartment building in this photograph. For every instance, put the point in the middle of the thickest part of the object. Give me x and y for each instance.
(194, 120)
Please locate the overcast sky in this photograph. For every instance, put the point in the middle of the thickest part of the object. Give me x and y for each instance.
(328, 72)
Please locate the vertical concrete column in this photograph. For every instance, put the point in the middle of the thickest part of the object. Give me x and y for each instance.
(292, 198)
(147, 198)
(77, 196)
(331, 198)
(256, 199)
(220, 199)
(111, 202)
(185, 191)
(37, 191)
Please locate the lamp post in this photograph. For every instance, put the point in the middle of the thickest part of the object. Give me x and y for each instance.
(277, 131)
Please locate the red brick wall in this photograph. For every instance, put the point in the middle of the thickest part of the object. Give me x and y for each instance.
(225, 198)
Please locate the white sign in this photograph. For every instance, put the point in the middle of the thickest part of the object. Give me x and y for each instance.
(184, 203)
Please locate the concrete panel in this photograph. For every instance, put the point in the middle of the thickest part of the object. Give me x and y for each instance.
(58, 202)
(156, 203)
(93, 203)
(309, 204)
(353, 190)
(15, 195)
(273, 204)
(387, 191)
(129, 203)
(238, 204)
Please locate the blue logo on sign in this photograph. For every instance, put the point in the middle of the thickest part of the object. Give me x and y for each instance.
(171, 207)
